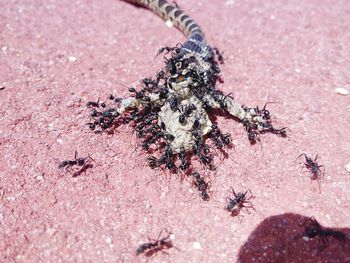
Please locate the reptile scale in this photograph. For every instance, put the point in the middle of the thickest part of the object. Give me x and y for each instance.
(172, 112)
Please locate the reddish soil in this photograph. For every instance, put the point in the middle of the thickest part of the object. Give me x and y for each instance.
(57, 55)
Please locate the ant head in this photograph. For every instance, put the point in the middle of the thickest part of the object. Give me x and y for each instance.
(251, 136)
(312, 231)
(196, 175)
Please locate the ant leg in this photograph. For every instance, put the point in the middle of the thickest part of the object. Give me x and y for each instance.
(233, 191)
(323, 169)
(300, 156)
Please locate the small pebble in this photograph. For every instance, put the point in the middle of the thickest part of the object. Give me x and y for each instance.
(347, 167)
(342, 91)
(196, 245)
(72, 58)
(169, 24)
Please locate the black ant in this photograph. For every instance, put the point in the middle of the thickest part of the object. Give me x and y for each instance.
(264, 113)
(153, 162)
(140, 95)
(161, 76)
(199, 93)
(219, 138)
(154, 246)
(221, 98)
(186, 113)
(314, 229)
(316, 172)
(96, 104)
(253, 135)
(238, 202)
(95, 113)
(92, 125)
(174, 103)
(168, 158)
(202, 186)
(196, 127)
(149, 141)
(219, 55)
(282, 132)
(115, 99)
(81, 161)
(182, 156)
(150, 84)
(198, 147)
(169, 49)
(163, 93)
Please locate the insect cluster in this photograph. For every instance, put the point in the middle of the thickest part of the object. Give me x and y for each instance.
(173, 113)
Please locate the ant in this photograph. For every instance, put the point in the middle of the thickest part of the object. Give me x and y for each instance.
(219, 138)
(282, 132)
(163, 93)
(81, 161)
(264, 113)
(168, 158)
(150, 84)
(161, 76)
(96, 104)
(139, 94)
(92, 125)
(153, 162)
(115, 99)
(95, 113)
(219, 55)
(170, 49)
(197, 149)
(222, 101)
(252, 135)
(182, 156)
(174, 103)
(238, 202)
(316, 172)
(314, 229)
(153, 246)
(186, 113)
(202, 186)
(149, 141)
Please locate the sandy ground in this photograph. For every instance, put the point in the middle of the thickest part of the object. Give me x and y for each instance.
(57, 55)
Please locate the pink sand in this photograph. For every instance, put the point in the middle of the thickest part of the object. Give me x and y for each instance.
(57, 55)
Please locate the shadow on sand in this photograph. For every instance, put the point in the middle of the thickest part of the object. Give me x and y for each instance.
(283, 238)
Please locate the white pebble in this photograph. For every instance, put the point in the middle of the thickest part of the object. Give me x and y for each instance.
(342, 91)
(72, 58)
(347, 167)
(229, 2)
(169, 24)
(196, 245)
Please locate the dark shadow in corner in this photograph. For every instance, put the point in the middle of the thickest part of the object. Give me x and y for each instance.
(282, 238)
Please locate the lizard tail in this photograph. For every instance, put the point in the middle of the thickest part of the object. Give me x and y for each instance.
(170, 12)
